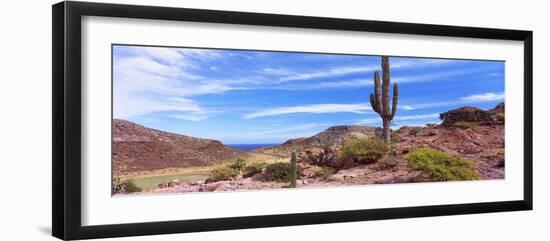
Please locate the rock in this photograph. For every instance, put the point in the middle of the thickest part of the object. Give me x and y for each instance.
(195, 183)
(395, 179)
(217, 186)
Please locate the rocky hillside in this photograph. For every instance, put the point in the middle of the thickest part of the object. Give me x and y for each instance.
(137, 148)
(332, 136)
(484, 144)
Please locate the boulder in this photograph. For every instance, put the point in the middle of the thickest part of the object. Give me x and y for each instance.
(217, 186)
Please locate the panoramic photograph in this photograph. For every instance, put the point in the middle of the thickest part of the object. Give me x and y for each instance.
(191, 120)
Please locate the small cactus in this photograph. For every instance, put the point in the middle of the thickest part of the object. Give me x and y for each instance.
(293, 170)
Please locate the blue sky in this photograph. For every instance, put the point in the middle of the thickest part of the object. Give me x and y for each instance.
(247, 97)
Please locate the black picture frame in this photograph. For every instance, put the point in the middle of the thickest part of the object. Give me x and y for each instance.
(66, 127)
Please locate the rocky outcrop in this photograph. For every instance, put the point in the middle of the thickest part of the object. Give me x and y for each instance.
(137, 148)
(465, 114)
(474, 114)
(326, 157)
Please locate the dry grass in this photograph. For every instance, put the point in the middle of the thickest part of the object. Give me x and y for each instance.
(148, 180)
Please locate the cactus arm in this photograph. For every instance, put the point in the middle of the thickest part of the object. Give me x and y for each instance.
(374, 103)
(394, 101)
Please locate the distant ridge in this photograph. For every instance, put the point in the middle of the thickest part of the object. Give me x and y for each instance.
(335, 135)
(138, 148)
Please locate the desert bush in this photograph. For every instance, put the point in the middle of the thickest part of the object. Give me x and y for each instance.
(130, 186)
(115, 185)
(279, 172)
(253, 168)
(467, 114)
(126, 186)
(324, 172)
(238, 164)
(223, 173)
(499, 116)
(464, 125)
(440, 166)
(363, 150)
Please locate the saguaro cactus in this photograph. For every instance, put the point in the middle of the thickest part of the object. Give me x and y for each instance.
(381, 101)
(293, 170)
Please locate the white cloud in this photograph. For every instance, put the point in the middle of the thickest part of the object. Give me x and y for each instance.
(344, 70)
(170, 55)
(286, 130)
(192, 116)
(489, 96)
(127, 105)
(398, 119)
(152, 79)
(370, 82)
(316, 108)
(275, 71)
(330, 73)
(430, 105)
(476, 98)
(175, 56)
(416, 117)
(340, 84)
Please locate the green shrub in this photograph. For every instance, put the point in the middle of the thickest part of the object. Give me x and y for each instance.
(500, 116)
(126, 186)
(222, 174)
(253, 168)
(363, 150)
(464, 125)
(279, 172)
(440, 166)
(130, 186)
(324, 172)
(238, 164)
(116, 185)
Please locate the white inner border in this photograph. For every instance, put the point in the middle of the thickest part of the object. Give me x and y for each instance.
(98, 33)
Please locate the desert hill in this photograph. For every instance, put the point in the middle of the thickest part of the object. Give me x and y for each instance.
(335, 135)
(137, 148)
